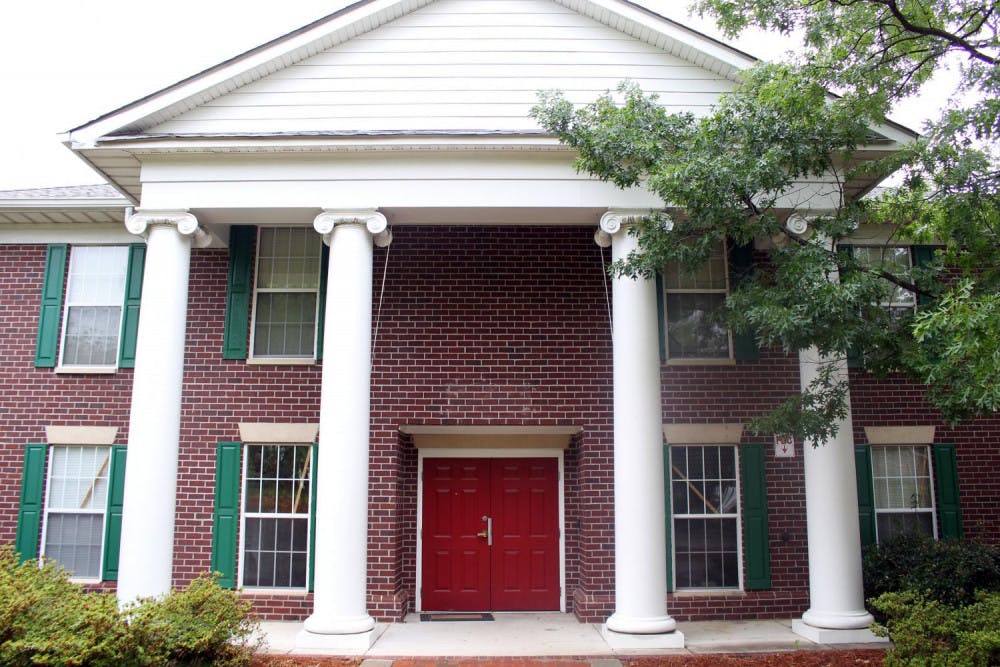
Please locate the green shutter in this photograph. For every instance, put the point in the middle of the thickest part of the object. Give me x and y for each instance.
(29, 512)
(312, 516)
(923, 257)
(756, 534)
(130, 310)
(226, 517)
(946, 482)
(239, 290)
(113, 522)
(47, 343)
(670, 518)
(745, 346)
(866, 494)
(324, 271)
(661, 316)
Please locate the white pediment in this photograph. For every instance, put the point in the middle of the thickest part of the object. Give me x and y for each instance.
(452, 65)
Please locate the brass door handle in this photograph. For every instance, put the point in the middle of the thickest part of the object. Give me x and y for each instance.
(488, 533)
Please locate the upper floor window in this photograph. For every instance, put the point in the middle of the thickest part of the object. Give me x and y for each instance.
(286, 294)
(95, 290)
(904, 498)
(693, 304)
(897, 261)
(75, 508)
(89, 316)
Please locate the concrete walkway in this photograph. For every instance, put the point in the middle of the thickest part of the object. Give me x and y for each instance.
(550, 634)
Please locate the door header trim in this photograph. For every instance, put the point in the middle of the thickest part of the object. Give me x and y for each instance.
(491, 437)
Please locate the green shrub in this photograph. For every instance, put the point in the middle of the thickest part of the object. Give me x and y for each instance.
(947, 571)
(45, 619)
(201, 625)
(930, 633)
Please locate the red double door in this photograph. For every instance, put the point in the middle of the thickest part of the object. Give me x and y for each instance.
(490, 535)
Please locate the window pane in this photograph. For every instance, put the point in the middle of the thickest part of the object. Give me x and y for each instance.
(280, 559)
(285, 324)
(288, 258)
(890, 524)
(78, 478)
(710, 276)
(895, 260)
(92, 335)
(74, 541)
(693, 332)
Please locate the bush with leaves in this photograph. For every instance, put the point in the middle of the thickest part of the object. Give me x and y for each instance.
(930, 633)
(45, 619)
(947, 571)
(201, 625)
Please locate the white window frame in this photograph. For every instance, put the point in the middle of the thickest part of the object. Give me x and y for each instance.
(68, 303)
(103, 510)
(284, 290)
(724, 291)
(879, 450)
(737, 516)
(244, 515)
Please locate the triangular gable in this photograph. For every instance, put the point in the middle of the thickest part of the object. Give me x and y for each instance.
(362, 18)
(452, 66)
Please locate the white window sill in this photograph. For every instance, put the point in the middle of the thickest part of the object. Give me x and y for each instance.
(291, 592)
(280, 361)
(709, 592)
(701, 362)
(87, 370)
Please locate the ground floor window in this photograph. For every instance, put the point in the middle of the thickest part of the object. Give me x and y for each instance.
(705, 516)
(276, 523)
(904, 498)
(75, 508)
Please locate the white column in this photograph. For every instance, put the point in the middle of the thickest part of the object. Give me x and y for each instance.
(836, 595)
(341, 557)
(640, 617)
(147, 546)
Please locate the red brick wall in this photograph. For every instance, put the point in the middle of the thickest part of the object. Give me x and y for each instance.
(499, 326)
(895, 401)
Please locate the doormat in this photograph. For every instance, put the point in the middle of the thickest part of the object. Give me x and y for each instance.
(456, 617)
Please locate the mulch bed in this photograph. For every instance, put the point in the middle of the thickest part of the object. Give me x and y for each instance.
(805, 658)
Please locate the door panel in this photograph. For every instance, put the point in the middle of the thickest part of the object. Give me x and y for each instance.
(461, 572)
(456, 562)
(525, 535)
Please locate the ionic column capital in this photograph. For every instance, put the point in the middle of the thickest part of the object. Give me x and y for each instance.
(375, 222)
(617, 219)
(186, 224)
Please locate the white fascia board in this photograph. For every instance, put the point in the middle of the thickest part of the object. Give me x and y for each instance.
(87, 135)
(658, 24)
(78, 233)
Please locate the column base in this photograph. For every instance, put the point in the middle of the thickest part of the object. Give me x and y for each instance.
(622, 640)
(831, 636)
(313, 643)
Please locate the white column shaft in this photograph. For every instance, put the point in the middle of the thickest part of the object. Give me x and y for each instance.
(147, 546)
(836, 592)
(640, 545)
(340, 597)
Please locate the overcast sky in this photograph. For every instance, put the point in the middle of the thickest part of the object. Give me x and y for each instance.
(65, 62)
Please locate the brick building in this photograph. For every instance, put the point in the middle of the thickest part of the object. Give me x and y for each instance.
(355, 348)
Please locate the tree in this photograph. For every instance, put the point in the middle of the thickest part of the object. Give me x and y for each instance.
(737, 174)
